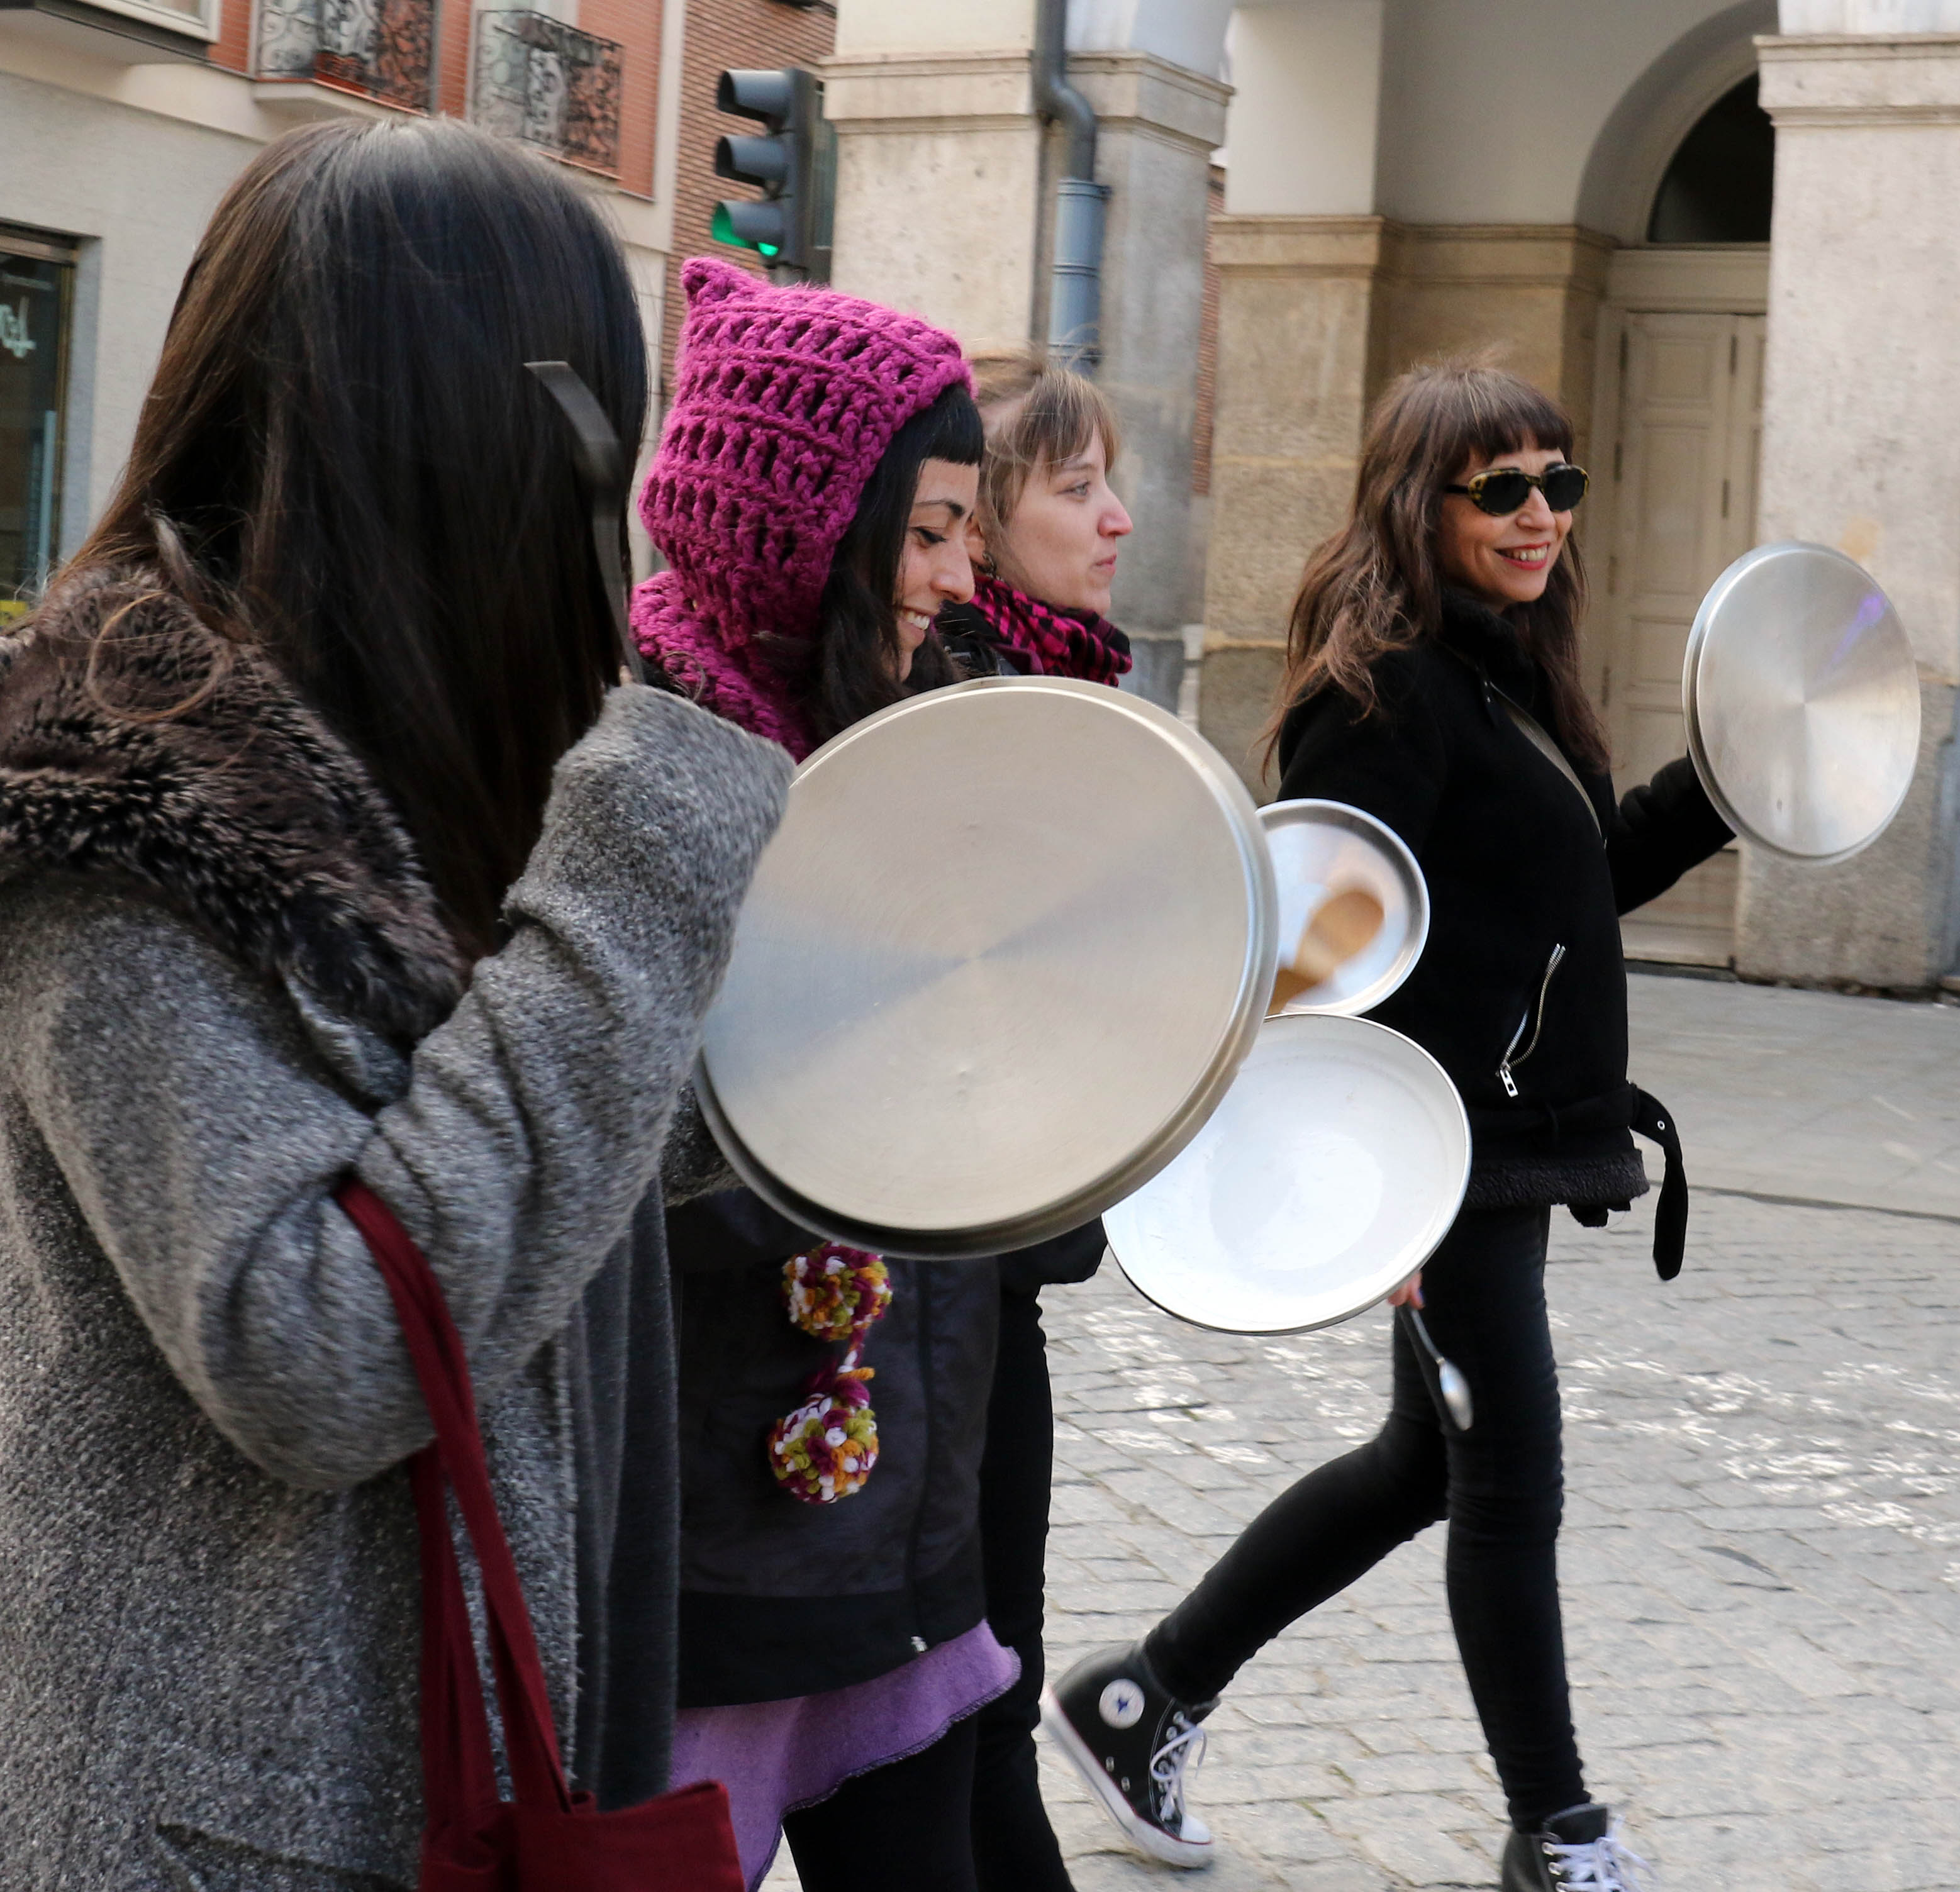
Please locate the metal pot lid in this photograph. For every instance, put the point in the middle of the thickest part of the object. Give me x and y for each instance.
(1006, 951)
(1802, 700)
(1323, 848)
(1328, 1175)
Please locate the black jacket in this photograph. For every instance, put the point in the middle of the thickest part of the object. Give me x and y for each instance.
(779, 1598)
(1535, 1038)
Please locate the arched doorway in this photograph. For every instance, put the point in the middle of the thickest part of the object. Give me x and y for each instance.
(1678, 410)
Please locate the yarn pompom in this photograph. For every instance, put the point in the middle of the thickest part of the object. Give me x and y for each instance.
(834, 1293)
(825, 1450)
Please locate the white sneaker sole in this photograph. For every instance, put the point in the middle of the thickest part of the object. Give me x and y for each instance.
(1192, 1855)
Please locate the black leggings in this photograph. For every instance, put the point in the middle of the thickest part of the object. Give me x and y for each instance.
(1500, 1485)
(1014, 1847)
(899, 1828)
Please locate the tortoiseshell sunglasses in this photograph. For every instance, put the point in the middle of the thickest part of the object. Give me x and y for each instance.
(1504, 490)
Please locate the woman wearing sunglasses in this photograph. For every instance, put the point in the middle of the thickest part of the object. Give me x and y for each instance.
(1432, 679)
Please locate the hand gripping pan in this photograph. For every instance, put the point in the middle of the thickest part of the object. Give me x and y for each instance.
(1003, 955)
(1801, 699)
(1328, 1175)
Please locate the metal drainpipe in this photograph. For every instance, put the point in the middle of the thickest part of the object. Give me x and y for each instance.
(1075, 289)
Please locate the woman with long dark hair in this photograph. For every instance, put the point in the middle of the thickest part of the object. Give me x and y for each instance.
(814, 495)
(1432, 679)
(329, 847)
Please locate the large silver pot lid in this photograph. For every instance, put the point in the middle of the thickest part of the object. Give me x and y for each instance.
(1007, 951)
(1327, 1176)
(1801, 699)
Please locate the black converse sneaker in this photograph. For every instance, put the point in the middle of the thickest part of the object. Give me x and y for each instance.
(1134, 1742)
(1578, 1850)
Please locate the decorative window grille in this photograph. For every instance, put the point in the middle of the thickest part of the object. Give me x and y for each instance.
(547, 82)
(380, 49)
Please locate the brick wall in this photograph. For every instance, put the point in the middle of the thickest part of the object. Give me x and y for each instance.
(722, 33)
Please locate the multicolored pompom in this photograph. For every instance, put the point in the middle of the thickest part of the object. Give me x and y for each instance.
(833, 1291)
(825, 1450)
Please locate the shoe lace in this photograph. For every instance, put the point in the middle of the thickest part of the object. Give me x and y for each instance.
(1602, 1865)
(1183, 1749)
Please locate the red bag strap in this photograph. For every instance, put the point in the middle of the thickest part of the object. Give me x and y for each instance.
(459, 1779)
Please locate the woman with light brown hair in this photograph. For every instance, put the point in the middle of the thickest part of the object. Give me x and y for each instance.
(1433, 680)
(1050, 529)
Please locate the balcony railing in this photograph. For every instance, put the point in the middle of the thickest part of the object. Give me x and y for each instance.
(552, 86)
(377, 48)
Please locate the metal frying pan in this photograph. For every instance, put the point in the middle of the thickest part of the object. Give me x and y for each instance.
(1323, 848)
(1802, 700)
(1005, 953)
(1327, 1176)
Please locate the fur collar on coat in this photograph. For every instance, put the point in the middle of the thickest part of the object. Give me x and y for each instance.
(244, 814)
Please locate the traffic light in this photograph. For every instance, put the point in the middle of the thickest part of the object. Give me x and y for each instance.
(788, 224)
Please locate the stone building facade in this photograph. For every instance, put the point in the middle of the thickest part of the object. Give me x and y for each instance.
(1716, 228)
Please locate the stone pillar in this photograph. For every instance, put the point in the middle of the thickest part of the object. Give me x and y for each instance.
(944, 178)
(1862, 409)
(1159, 124)
(1530, 291)
(1300, 332)
(939, 176)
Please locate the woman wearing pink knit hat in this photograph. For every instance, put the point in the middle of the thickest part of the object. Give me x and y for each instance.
(814, 495)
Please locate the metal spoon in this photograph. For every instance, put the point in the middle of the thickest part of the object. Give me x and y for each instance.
(1456, 1388)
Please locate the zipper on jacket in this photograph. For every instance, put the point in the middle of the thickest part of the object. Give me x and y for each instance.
(1533, 1021)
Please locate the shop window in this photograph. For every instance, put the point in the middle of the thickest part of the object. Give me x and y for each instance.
(1717, 188)
(37, 283)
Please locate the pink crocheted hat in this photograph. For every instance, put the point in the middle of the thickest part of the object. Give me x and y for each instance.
(787, 400)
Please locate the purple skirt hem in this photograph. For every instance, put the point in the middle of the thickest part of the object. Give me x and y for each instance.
(776, 1757)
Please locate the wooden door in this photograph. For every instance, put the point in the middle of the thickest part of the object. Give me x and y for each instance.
(1684, 473)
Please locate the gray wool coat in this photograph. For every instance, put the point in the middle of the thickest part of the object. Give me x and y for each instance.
(224, 986)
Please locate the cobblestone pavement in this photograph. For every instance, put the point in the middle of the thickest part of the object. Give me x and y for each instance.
(1761, 1555)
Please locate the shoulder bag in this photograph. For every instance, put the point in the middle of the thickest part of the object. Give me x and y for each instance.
(546, 1838)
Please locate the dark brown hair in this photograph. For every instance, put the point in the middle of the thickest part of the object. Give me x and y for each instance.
(342, 464)
(1373, 588)
(856, 643)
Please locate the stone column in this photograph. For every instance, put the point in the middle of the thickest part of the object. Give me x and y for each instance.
(1862, 411)
(1531, 292)
(939, 174)
(1301, 329)
(1159, 124)
(944, 178)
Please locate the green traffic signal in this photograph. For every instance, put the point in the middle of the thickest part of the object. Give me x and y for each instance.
(749, 226)
(779, 224)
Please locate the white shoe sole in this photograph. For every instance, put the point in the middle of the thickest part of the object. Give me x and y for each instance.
(1192, 1855)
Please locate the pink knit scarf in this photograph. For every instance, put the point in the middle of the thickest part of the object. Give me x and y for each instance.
(1054, 643)
(732, 678)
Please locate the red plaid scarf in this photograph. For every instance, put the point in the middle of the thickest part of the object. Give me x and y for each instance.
(1053, 642)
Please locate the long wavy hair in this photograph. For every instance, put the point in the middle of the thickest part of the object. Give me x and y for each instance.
(1374, 587)
(342, 464)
